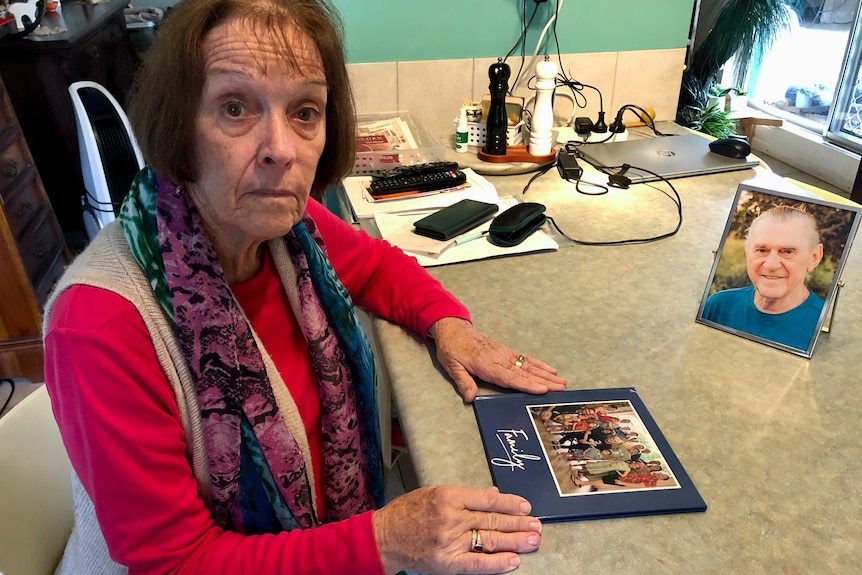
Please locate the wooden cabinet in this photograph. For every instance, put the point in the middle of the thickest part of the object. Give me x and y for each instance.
(38, 71)
(33, 254)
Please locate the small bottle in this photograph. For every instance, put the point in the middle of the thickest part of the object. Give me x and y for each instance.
(462, 132)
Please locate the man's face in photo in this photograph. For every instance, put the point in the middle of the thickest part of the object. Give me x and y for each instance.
(779, 254)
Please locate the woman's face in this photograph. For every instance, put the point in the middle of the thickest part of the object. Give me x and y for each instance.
(260, 131)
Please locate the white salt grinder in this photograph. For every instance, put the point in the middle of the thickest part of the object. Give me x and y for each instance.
(541, 136)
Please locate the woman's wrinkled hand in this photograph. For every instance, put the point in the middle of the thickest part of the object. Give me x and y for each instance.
(462, 350)
(429, 530)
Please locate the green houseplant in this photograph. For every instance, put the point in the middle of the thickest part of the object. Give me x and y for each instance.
(720, 92)
(743, 30)
(713, 120)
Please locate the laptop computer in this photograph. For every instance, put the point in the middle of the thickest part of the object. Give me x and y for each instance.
(667, 156)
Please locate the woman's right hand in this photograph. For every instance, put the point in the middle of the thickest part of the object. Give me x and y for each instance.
(429, 530)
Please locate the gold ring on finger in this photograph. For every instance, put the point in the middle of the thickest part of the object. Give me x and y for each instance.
(476, 542)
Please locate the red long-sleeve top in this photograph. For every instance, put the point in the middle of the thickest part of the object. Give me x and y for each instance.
(122, 428)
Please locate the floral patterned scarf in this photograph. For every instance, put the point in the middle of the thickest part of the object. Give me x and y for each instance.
(258, 475)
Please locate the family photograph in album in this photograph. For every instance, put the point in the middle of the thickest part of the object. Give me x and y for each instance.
(583, 454)
(777, 268)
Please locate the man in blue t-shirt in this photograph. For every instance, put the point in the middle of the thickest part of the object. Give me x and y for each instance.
(782, 247)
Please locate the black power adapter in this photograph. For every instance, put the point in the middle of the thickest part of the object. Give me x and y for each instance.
(583, 125)
(567, 165)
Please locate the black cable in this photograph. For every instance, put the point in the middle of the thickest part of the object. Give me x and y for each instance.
(544, 170)
(526, 27)
(537, 175)
(631, 241)
(577, 89)
(554, 30)
(643, 116)
(11, 393)
(578, 189)
(521, 41)
(99, 209)
(557, 41)
(575, 86)
(675, 198)
(604, 189)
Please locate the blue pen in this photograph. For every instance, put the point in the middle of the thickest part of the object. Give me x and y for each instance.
(469, 238)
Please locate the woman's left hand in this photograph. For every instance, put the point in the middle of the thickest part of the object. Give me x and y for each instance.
(464, 352)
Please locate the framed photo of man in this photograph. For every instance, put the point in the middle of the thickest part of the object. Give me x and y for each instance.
(777, 268)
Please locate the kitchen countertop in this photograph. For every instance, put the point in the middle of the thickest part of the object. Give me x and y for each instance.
(767, 437)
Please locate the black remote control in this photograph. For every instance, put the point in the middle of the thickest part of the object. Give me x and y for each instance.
(422, 182)
(416, 169)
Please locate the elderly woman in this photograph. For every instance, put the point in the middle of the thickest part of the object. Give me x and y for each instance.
(212, 385)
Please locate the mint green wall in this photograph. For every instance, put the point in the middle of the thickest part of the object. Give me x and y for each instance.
(404, 30)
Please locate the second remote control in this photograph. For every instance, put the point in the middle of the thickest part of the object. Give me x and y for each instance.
(416, 169)
(428, 181)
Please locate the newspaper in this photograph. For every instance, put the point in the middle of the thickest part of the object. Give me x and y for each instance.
(363, 206)
(384, 135)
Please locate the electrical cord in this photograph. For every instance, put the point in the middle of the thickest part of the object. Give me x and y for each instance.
(675, 198)
(96, 208)
(539, 42)
(633, 241)
(578, 182)
(537, 175)
(11, 383)
(522, 39)
(641, 114)
(579, 100)
(577, 89)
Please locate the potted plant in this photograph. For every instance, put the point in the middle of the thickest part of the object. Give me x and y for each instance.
(742, 30)
(731, 99)
(713, 120)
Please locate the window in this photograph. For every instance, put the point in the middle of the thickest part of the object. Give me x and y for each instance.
(845, 118)
(810, 76)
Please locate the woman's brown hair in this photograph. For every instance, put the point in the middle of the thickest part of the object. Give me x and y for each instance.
(165, 97)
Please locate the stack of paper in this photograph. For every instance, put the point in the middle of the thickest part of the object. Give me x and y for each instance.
(364, 206)
(394, 219)
(397, 229)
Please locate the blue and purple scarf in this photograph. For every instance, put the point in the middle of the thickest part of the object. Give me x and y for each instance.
(259, 479)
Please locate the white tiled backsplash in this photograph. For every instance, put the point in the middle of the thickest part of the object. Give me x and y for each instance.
(434, 90)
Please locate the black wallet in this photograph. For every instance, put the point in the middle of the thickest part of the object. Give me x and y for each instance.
(454, 220)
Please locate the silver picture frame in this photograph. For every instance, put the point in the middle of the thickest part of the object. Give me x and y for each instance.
(771, 283)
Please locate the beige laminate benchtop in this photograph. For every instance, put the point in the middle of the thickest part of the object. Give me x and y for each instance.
(772, 441)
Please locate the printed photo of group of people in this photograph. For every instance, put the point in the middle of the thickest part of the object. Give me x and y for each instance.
(602, 447)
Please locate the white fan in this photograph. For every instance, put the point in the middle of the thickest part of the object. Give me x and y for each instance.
(110, 156)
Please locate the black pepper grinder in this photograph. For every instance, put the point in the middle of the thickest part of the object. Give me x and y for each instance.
(497, 123)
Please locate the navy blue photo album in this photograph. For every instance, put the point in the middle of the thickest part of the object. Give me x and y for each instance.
(583, 454)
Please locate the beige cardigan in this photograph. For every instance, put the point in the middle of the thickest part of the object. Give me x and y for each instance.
(107, 263)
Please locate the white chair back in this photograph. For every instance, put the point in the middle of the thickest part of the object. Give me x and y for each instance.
(36, 513)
